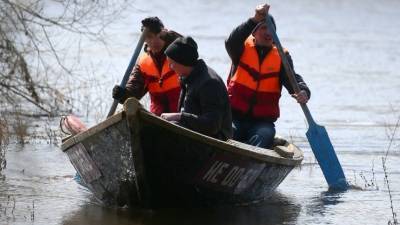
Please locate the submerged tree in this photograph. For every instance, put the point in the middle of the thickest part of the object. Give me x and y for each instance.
(31, 52)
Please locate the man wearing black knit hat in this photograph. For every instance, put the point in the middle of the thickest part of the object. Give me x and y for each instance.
(256, 79)
(203, 102)
(152, 73)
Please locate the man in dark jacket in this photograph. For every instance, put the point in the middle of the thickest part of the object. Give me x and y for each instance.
(256, 79)
(151, 73)
(203, 102)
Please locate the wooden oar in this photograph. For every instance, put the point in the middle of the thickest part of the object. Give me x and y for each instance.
(128, 72)
(317, 136)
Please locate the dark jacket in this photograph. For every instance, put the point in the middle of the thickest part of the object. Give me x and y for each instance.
(235, 47)
(136, 85)
(204, 103)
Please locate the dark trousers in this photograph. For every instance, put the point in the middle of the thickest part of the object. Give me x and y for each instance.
(253, 132)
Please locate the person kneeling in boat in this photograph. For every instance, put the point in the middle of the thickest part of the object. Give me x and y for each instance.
(255, 81)
(203, 102)
(152, 73)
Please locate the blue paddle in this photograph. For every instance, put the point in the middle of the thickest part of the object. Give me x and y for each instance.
(128, 72)
(317, 136)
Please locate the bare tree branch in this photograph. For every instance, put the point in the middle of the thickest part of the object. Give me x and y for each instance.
(30, 55)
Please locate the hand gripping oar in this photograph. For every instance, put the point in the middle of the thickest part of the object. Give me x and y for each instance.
(128, 72)
(317, 135)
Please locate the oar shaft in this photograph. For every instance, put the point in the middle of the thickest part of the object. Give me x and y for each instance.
(128, 72)
(317, 135)
(307, 113)
(288, 69)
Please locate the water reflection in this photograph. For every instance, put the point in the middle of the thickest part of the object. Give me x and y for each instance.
(320, 204)
(279, 209)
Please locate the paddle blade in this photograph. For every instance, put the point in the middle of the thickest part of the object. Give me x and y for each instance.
(323, 150)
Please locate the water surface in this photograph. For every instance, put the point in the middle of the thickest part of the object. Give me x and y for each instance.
(348, 53)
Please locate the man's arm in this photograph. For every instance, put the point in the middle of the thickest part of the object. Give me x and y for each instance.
(235, 43)
(285, 80)
(136, 85)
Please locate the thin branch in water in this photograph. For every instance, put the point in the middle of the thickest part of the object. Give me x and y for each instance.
(384, 160)
(392, 138)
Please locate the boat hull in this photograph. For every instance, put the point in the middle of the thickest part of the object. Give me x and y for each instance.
(140, 160)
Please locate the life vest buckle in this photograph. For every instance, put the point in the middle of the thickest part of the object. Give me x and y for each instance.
(255, 75)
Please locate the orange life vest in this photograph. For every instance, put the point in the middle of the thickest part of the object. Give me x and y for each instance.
(255, 87)
(163, 86)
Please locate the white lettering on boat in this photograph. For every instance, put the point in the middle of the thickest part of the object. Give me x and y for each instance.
(247, 179)
(234, 174)
(230, 176)
(216, 169)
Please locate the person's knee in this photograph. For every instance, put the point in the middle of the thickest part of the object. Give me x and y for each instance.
(263, 137)
(267, 132)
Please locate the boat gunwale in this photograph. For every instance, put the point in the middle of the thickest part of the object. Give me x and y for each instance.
(265, 155)
(261, 154)
(77, 138)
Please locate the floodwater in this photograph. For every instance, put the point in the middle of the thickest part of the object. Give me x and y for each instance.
(347, 51)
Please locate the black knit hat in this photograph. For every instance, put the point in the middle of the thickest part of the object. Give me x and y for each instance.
(183, 50)
(264, 22)
(153, 24)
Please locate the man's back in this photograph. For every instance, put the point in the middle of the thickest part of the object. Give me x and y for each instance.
(204, 103)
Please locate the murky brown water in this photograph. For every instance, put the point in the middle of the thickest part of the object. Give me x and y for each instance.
(349, 54)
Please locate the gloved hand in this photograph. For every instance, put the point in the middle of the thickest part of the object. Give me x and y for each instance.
(261, 12)
(118, 92)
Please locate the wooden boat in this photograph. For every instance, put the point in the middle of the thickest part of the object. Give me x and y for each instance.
(137, 159)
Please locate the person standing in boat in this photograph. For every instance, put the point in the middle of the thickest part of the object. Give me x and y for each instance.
(256, 79)
(152, 73)
(203, 102)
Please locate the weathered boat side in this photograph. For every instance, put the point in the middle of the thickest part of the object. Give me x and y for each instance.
(138, 159)
(108, 147)
(185, 168)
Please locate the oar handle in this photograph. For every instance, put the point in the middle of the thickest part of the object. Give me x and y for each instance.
(288, 69)
(128, 72)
